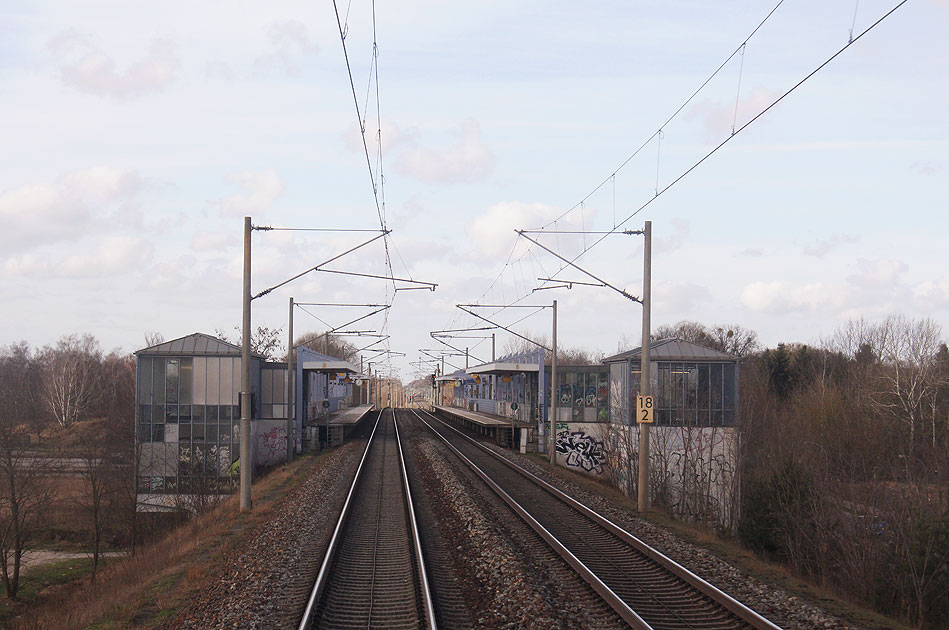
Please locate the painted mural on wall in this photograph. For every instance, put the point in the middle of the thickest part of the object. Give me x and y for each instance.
(581, 450)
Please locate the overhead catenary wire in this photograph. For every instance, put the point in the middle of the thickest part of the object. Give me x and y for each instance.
(660, 191)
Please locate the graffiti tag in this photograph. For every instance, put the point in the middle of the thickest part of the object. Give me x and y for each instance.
(582, 451)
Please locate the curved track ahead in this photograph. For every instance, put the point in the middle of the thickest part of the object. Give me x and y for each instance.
(373, 574)
(648, 590)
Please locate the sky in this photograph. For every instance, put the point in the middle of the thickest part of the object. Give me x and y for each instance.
(136, 138)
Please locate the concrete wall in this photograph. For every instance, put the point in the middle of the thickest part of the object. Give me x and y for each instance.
(693, 470)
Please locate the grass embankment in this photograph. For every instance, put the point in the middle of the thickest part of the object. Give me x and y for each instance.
(146, 589)
(728, 550)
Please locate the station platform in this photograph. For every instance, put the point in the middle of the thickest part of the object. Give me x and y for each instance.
(350, 415)
(341, 422)
(504, 431)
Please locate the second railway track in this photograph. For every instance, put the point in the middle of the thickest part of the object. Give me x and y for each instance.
(648, 590)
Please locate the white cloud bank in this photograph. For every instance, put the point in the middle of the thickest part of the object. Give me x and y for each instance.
(88, 69)
(260, 190)
(66, 209)
(468, 160)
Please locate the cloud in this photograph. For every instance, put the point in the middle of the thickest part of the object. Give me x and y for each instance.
(493, 231)
(260, 189)
(929, 167)
(76, 204)
(110, 256)
(679, 297)
(752, 252)
(878, 275)
(290, 45)
(468, 160)
(88, 69)
(392, 135)
(822, 247)
(211, 241)
(781, 297)
(717, 118)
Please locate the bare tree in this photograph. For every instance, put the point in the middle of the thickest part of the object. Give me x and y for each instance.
(25, 487)
(334, 346)
(70, 384)
(730, 338)
(265, 341)
(96, 444)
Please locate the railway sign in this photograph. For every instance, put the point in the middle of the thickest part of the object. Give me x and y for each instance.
(645, 406)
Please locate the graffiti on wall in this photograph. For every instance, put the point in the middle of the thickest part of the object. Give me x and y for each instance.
(272, 446)
(581, 450)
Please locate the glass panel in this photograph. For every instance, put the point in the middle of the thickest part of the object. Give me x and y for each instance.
(197, 432)
(728, 386)
(589, 398)
(715, 372)
(702, 395)
(200, 391)
(211, 414)
(197, 413)
(158, 381)
(171, 381)
(184, 413)
(185, 381)
(171, 414)
(184, 432)
(144, 387)
(691, 394)
(227, 395)
(158, 433)
(210, 433)
(266, 382)
(214, 381)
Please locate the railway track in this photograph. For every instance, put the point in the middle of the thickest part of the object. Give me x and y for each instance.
(647, 589)
(373, 574)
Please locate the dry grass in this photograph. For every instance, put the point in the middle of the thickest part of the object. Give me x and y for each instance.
(147, 588)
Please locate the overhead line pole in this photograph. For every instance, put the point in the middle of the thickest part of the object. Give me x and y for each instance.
(245, 453)
(553, 394)
(643, 485)
(290, 416)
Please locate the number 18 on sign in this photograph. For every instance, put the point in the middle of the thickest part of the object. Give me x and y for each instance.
(645, 406)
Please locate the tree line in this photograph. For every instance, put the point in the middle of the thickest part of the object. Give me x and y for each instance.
(844, 459)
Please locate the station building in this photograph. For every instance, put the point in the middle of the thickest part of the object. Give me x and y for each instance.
(693, 443)
(187, 415)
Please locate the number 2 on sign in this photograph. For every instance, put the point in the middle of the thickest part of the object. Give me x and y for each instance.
(644, 409)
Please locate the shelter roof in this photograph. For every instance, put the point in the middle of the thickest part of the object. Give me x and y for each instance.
(196, 344)
(504, 367)
(313, 360)
(673, 349)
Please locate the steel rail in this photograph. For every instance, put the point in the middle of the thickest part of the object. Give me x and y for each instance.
(720, 597)
(416, 538)
(615, 601)
(320, 583)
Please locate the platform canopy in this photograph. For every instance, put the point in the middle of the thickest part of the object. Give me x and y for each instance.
(504, 367)
(334, 365)
(318, 362)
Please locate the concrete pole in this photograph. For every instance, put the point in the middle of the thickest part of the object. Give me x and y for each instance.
(466, 359)
(493, 358)
(643, 485)
(246, 463)
(369, 385)
(290, 418)
(553, 390)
